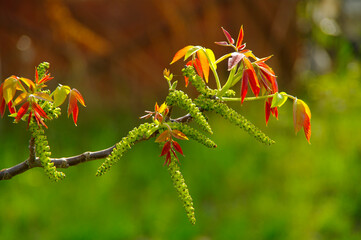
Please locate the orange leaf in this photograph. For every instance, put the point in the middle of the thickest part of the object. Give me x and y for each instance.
(204, 63)
(181, 53)
(78, 96)
(178, 134)
(163, 137)
(302, 117)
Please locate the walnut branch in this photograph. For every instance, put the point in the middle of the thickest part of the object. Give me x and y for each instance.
(65, 162)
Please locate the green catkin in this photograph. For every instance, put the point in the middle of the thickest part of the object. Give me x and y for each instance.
(182, 189)
(234, 117)
(124, 145)
(197, 81)
(182, 100)
(194, 134)
(42, 151)
(42, 68)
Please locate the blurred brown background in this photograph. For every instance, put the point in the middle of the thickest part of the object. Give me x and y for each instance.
(115, 51)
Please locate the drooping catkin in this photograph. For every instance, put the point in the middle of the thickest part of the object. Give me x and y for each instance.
(124, 145)
(194, 134)
(182, 189)
(179, 98)
(234, 117)
(42, 151)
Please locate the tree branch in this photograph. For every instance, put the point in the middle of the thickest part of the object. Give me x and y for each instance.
(65, 162)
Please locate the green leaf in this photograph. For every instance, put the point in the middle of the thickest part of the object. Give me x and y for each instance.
(60, 94)
(211, 58)
(191, 51)
(279, 99)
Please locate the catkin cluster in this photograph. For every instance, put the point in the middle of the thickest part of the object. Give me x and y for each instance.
(42, 68)
(42, 151)
(182, 189)
(124, 145)
(182, 100)
(234, 117)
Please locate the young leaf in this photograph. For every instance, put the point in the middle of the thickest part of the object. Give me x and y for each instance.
(165, 149)
(78, 96)
(21, 98)
(302, 117)
(43, 96)
(178, 134)
(244, 87)
(163, 137)
(279, 99)
(222, 43)
(24, 108)
(204, 64)
(228, 36)
(211, 58)
(181, 53)
(177, 147)
(267, 110)
(234, 60)
(9, 88)
(60, 94)
(39, 110)
(191, 51)
(240, 38)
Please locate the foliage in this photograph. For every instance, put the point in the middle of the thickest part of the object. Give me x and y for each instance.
(40, 105)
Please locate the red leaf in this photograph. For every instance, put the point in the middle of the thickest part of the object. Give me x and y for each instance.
(222, 43)
(197, 65)
(234, 60)
(75, 114)
(24, 108)
(240, 38)
(228, 36)
(39, 110)
(165, 149)
(175, 155)
(167, 159)
(177, 147)
(39, 120)
(11, 107)
(267, 110)
(45, 78)
(2, 107)
(252, 76)
(244, 87)
(180, 53)
(36, 75)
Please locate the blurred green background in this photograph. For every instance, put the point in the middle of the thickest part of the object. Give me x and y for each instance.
(114, 52)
